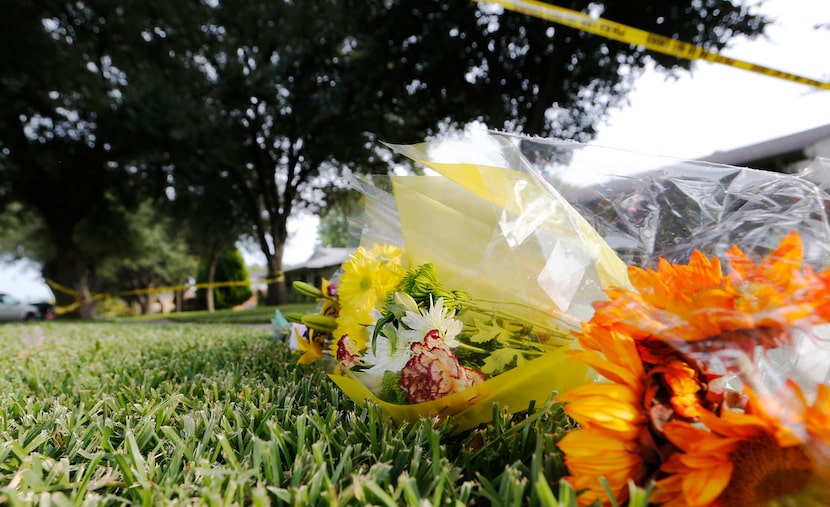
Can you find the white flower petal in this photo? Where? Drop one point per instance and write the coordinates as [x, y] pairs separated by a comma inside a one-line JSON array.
[[435, 317]]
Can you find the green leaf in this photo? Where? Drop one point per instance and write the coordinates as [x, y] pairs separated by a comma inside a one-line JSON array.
[[390, 388], [500, 359], [487, 331], [391, 334]]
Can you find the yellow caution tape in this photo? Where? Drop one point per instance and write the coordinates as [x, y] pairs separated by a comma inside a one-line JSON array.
[[60, 310], [80, 299], [62, 288], [171, 288], [652, 41]]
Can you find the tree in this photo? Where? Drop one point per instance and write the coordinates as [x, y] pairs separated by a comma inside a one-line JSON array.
[[336, 219], [157, 256], [306, 89], [230, 267], [69, 155], [283, 98], [208, 216]]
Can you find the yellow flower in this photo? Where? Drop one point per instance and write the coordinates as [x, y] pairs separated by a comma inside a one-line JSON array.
[[751, 458], [367, 279], [591, 454], [611, 418], [311, 347], [331, 306], [354, 324], [368, 276], [388, 255]]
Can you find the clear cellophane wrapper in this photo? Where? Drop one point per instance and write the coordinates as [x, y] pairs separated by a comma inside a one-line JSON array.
[[721, 340], [697, 290], [528, 264]]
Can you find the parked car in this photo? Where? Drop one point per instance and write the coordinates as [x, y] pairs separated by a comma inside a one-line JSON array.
[[46, 310], [12, 309]]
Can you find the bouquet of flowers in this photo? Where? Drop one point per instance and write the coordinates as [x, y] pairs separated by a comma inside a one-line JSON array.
[[715, 362], [465, 292], [698, 296]]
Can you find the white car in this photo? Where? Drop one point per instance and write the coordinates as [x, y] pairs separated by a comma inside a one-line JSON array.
[[12, 309]]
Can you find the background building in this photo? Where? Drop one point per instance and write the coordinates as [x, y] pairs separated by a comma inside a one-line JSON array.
[[788, 154]]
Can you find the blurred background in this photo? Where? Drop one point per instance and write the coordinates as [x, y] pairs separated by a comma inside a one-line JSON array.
[[149, 144]]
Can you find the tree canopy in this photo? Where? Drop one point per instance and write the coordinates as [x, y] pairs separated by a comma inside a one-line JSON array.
[[258, 109]]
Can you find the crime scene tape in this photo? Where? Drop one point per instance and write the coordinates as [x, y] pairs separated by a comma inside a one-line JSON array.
[[81, 298], [651, 41]]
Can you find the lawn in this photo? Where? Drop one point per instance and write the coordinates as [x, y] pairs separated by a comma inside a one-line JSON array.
[[257, 315], [147, 414]]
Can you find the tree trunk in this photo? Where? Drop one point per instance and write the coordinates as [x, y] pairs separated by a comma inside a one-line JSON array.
[[87, 308], [71, 287], [277, 292], [214, 257], [144, 304]]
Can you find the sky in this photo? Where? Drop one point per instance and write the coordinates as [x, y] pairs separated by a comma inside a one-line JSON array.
[[713, 108], [718, 108]]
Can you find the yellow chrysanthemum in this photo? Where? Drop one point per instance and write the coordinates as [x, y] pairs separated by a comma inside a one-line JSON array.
[[751, 458], [354, 324], [368, 276], [388, 255], [367, 279]]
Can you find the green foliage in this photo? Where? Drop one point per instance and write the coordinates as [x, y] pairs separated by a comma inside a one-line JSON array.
[[222, 415], [391, 389], [337, 219], [231, 109], [20, 229], [153, 253], [65, 143], [113, 307], [230, 267]]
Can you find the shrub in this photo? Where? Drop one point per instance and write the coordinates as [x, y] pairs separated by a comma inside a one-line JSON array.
[[230, 267]]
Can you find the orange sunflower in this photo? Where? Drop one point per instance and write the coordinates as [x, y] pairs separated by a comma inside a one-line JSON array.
[[696, 307], [775, 451], [822, 292], [656, 344], [609, 443]]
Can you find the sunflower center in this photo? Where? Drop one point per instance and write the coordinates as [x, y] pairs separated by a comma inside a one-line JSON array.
[[365, 283], [764, 471]]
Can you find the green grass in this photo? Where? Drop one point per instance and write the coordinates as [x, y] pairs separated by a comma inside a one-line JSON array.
[[142, 414], [257, 315]]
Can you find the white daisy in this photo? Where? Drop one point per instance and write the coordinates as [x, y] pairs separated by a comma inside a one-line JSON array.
[[436, 317], [384, 358]]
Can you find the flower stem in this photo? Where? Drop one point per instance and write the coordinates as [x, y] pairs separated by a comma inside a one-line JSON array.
[[465, 346], [568, 323]]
